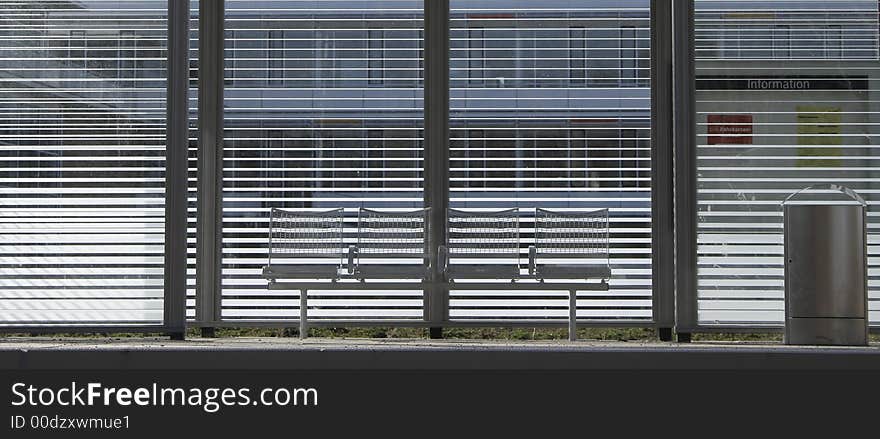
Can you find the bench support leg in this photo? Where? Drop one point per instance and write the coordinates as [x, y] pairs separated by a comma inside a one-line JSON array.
[[303, 314], [435, 332], [572, 315], [208, 332]]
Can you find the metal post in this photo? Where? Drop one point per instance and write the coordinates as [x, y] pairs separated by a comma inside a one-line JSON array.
[[210, 163], [684, 107], [663, 220], [177, 142], [436, 191], [572, 315], [303, 314]]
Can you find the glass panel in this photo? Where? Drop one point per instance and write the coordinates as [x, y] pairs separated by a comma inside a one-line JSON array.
[[791, 101], [550, 108], [82, 162], [340, 126]]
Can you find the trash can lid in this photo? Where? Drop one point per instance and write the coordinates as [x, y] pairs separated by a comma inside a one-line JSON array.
[[828, 187]]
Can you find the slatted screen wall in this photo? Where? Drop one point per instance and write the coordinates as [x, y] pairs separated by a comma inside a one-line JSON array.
[[82, 156], [786, 98], [551, 109], [323, 110]]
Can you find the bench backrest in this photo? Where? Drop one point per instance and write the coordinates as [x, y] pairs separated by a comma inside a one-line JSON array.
[[479, 244], [391, 239], [307, 235], [572, 237], [483, 243]]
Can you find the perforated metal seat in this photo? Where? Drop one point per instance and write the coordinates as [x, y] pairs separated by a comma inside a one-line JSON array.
[[573, 271], [315, 238], [301, 271], [482, 245], [392, 245], [570, 245]]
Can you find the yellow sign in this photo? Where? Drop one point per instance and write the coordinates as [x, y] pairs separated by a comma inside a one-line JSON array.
[[818, 132]]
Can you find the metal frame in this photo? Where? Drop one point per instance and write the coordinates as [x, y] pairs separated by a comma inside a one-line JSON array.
[[674, 208], [176, 168], [673, 148], [436, 156], [436, 194], [209, 226], [684, 106], [662, 192], [436, 147]]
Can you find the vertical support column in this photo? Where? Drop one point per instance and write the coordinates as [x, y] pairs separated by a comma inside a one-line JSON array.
[[436, 158], [303, 314], [684, 105], [177, 142], [210, 164], [572, 315], [662, 201]]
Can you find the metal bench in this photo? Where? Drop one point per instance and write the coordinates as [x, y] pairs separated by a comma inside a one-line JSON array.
[[481, 245], [305, 245], [307, 252], [570, 245]]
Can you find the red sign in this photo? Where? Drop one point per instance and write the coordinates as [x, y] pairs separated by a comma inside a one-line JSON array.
[[730, 129]]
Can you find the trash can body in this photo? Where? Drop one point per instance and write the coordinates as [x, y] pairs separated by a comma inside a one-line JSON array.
[[826, 301]]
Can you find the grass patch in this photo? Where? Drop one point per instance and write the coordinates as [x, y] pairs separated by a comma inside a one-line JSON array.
[[615, 334], [500, 334], [739, 337]]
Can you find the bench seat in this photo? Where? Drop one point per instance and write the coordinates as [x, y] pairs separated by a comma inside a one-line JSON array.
[[301, 271], [573, 271]]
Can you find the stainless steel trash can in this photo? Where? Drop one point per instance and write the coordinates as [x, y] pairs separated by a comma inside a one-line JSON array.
[[826, 300]]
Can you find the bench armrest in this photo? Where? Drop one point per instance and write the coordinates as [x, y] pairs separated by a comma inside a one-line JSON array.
[[352, 258], [443, 259], [533, 256]]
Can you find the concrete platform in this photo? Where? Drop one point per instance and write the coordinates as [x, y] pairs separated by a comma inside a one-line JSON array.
[[401, 354]]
